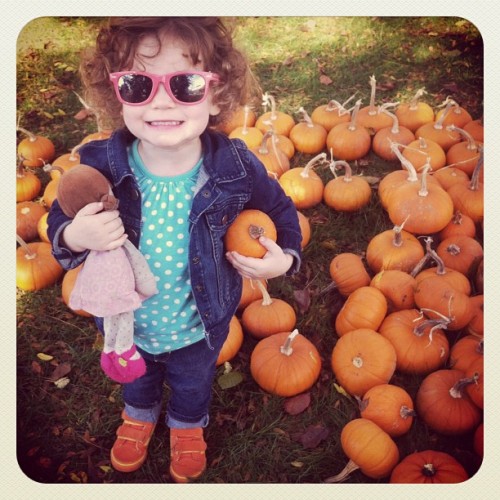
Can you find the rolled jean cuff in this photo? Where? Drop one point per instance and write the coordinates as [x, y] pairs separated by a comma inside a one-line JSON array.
[[143, 414], [173, 423]]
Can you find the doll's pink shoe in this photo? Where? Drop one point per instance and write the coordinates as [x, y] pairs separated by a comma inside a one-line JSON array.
[[121, 368]]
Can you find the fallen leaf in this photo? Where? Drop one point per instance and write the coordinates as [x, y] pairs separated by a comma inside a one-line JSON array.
[[60, 371], [36, 367], [297, 464], [44, 357], [62, 382], [325, 80], [312, 436], [228, 380], [341, 390], [297, 404], [303, 299], [82, 114]]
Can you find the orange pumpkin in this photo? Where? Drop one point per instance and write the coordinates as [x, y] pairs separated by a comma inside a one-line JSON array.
[[453, 114], [365, 307], [349, 141], [331, 114], [28, 214], [308, 137], [371, 117], [369, 449], [394, 249], [362, 359], [346, 193], [232, 343], [476, 129], [437, 132], [35, 150], [278, 121], [466, 351], [303, 185], [475, 390], [465, 154], [28, 184], [461, 253], [415, 113], [250, 291], [285, 364], [243, 234], [448, 176], [267, 316], [443, 404], [390, 407], [36, 268], [305, 229], [42, 227], [348, 273], [67, 286], [100, 135], [421, 345], [242, 116], [251, 136], [421, 150], [397, 287], [460, 224], [274, 160], [476, 324], [429, 467], [65, 162], [381, 143]]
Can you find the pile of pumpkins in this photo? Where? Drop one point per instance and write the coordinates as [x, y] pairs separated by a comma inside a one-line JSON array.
[[416, 281]]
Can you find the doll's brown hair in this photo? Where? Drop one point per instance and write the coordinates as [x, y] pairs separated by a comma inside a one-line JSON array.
[[208, 39]]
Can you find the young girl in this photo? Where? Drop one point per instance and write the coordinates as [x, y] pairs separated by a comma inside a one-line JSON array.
[[180, 186]]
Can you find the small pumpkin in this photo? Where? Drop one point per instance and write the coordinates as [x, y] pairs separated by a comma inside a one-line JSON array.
[[460, 224], [381, 143], [361, 359], [464, 154], [42, 227], [421, 150], [397, 287], [421, 345], [276, 120], [305, 229], [331, 114], [243, 234], [35, 150], [475, 326], [65, 162], [475, 391], [461, 253], [466, 351], [453, 113], [369, 449], [443, 404], [346, 193], [285, 364], [303, 185], [365, 307], [242, 116], [28, 184], [250, 291], [371, 116], [476, 129], [274, 159], [233, 342], [390, 407], [307, 136], [68, 283], [36, 267], [349, 141], [267, 316], [438, 132], [348, 273], [28, 214], [416, 113], [429, 467]]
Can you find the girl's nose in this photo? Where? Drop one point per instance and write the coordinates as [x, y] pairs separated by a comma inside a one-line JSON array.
[[162, 98]]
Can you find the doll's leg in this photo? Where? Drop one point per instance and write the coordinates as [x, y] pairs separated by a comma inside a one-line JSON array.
[[120, 359]]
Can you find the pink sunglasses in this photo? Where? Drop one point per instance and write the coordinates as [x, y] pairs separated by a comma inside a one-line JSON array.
[[136, 88]]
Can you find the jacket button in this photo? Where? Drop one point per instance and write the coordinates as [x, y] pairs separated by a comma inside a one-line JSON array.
[[196, 260], [199, 288], [205, 193]]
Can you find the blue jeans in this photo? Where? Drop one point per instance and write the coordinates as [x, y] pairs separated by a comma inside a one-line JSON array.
[[189, 372]]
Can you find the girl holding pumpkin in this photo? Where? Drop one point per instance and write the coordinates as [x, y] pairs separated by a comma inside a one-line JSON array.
[[181, 185]]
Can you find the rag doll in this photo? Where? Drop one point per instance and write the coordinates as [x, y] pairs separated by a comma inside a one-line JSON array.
[[111, 284]]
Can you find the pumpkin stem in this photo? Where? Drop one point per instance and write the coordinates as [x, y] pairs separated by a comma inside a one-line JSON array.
[[373, 85], [428, 470], [406, 412], [435, 324], [255, 231], [344, 474], [266, 298], [21, 170], [474, 182], [342, 163], [430, 254], [449, 103], [405, 163], [246, 112], [28, 253], [317, 159], [305, 117], [352, 124], [398, 238], [457, 390], [395, 121], [286, 348], [471, 143], [423, 191], [269, 99], [414, 102], [31, 136]]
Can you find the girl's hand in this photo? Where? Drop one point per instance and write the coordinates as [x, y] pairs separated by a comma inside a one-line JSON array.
[[93, 229], [274, 263]]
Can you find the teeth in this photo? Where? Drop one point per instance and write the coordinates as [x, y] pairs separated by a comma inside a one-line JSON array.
[[165, 123]]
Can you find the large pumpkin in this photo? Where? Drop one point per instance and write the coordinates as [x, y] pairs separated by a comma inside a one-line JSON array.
[[243, 234], [285, 364], [429, 467], [362, 359]]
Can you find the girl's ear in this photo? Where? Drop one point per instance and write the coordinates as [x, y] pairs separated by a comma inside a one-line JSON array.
[[213, 110]]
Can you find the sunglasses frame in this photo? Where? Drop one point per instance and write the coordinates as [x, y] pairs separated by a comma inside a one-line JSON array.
[[165, 79]]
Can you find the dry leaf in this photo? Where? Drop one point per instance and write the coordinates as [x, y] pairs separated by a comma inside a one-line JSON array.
[[60, 371], [312, 436], [44, 357], [297, 404], [325, 80], [303, 299], [62, 382]]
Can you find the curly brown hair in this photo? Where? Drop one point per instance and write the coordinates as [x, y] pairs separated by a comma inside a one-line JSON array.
[[209, 40]]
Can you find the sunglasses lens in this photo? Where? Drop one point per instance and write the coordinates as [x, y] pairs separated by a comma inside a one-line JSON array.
[[188, 87], [135, 89]]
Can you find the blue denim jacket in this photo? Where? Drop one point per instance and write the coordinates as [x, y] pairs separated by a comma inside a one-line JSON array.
[[231, 179]]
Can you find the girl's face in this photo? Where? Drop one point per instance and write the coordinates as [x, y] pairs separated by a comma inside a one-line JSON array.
[[163, 124]]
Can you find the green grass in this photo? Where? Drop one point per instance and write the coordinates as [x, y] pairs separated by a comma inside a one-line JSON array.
[[65, 434]]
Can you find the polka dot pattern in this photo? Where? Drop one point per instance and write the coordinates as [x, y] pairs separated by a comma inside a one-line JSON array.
[[170, 319]]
